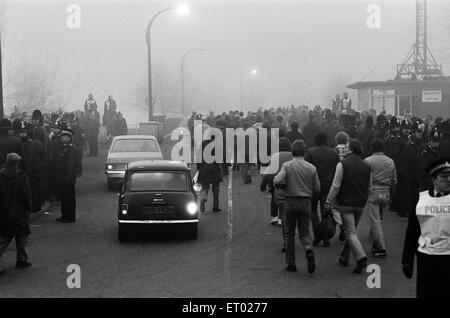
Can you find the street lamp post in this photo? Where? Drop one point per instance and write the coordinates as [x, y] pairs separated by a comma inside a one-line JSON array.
[[182, 76], [241, 94], [182, 10]]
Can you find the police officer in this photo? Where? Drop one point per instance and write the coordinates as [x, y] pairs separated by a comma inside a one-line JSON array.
[[32, 161], [56, 148], [413, 168], [444, 146], [66, 168], [429, 155], [428, 235], [78, 141]]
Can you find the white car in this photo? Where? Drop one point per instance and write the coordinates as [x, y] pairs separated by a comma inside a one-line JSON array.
[[126, 149]]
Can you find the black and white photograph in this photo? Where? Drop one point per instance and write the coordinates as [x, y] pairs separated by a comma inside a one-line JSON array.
[[224, 154]]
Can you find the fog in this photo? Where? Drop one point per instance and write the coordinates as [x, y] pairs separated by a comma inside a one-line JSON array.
[[305, 51]]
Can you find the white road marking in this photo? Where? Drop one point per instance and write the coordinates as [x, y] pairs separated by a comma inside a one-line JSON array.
[[228, 250]]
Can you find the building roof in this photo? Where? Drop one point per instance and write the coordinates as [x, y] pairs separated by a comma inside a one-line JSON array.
[[401, 82], [158, 165]]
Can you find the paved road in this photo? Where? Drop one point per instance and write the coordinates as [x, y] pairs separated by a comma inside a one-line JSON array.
[[237, 253]]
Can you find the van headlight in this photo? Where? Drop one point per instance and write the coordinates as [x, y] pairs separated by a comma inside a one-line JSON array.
[[191, 207], [124, 209], [109, 167], [197, 187]]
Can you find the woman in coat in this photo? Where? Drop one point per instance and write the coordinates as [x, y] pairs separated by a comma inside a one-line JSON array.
[[15, 207]]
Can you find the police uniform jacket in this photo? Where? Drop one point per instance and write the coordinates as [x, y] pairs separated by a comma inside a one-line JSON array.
[[66, 164]]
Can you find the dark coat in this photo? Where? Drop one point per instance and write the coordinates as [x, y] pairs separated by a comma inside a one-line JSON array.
[[293, 135], [325, 159], [33, 158], [412, 161], [444, 146], [310, 131], [14, 221], [209, 172], [365, 137], [9, 144], [67, 164]]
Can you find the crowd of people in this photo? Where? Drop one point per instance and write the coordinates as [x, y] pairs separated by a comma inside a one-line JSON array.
[[346, 163], [40, 159]]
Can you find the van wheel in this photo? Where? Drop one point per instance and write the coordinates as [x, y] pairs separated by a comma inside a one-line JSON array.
[[124, 233]]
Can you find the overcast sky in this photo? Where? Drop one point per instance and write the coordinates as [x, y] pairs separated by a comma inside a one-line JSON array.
[[300, 48]]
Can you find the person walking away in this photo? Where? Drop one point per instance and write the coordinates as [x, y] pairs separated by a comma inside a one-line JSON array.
[[365, 137], [294, 134], [66, 167], [120, 125], [209, 175], [428, 236], [384, 180], [342, 139], [301, 182], [311, 130], [325, 159], [15, 203], [349, 192], [278, 196]]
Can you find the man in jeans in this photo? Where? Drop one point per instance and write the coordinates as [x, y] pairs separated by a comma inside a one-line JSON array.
[[384, 180], [300, 180], [349, 192]]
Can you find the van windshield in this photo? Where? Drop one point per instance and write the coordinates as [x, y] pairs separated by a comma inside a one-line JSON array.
[[158, 181], [134, 145]]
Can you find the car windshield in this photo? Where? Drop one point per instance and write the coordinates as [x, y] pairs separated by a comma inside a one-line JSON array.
[[135, 145], [157, 181]]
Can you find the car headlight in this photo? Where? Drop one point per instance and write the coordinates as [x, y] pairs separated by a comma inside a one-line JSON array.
[[109, 167], [124, 209], [197, 187], [191, 208]]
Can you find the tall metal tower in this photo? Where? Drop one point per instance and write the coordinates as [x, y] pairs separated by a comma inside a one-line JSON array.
[[420, 63]]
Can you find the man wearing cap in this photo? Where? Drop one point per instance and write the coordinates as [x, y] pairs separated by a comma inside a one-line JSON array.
[[66, 169], [429, 155], [15, 207], [428, 235], [32, 161], [8, 143]]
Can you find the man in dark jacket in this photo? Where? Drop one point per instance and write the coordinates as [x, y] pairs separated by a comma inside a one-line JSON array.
[[294, 134], [310, 131], [209, 174], [8, 143], [66, 168], [32, 162], [92, 131], [15, 207], [120, 125], [349, 192], [325, 159], [365, 137], [41, 134]]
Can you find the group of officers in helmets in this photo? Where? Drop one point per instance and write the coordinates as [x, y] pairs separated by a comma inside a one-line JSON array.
[[50, 159]]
